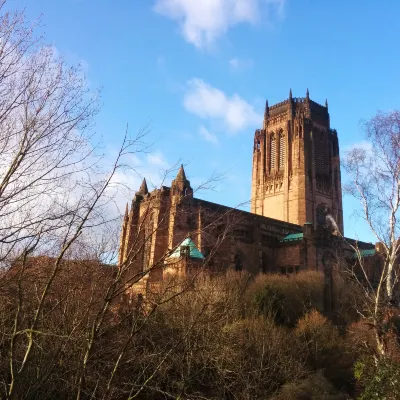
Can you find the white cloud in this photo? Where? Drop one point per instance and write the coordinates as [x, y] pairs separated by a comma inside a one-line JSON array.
[[158, 160], [208, 136], [126, 181], [206, 101], [203, 21], [363, 144], [240, 64], [74, 59]]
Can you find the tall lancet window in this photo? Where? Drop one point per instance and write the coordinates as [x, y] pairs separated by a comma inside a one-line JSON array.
[[281, 151], [273, 152], [322, 151], [315, 151]]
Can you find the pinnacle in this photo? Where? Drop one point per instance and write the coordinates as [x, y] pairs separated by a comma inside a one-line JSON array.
[[143, 187], [265, 112], [181, 176]]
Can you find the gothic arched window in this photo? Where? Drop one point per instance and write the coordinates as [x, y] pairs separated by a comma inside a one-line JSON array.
[[273, 152], [322, 151], [281, 151], [314, 137], [336, 178]]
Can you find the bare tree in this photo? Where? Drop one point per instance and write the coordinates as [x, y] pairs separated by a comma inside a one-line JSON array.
[[46, 156], [375, 182], [53, 188], [58, 303], [374, 170]]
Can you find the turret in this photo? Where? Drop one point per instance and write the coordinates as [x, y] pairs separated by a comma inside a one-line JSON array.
[[126, 212], [143, 190], [131, 220], [266, 113], [141, 193], [180, 185], [181, 176], [122, 243], [307, 101]]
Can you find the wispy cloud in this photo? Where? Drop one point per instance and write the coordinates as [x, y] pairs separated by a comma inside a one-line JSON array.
[[152, 166], [238, 64], [208, 136], [208, 102], [74, 59], [363, 144], [158, 160], [202, 22]]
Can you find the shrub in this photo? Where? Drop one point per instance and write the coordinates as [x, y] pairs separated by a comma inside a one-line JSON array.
[[347, 298], [314, 387], [286, 298], [325, 349], [257, 358]]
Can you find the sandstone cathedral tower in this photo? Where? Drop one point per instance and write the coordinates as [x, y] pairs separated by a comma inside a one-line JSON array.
[[295, 196], [296, 169]]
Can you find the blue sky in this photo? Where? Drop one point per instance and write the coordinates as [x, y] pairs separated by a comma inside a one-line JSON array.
[[200, 71]]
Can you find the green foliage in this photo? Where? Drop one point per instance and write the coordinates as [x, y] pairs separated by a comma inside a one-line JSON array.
[[378, 379]]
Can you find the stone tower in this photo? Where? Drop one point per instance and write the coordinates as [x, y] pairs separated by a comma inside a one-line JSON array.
[[296, 169]]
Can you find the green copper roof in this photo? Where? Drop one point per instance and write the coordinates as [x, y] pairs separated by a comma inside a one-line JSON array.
[[292, 236], [194, 252], [366, 253]]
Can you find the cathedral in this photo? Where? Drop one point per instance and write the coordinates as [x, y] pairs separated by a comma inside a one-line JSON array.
[[296, 218]]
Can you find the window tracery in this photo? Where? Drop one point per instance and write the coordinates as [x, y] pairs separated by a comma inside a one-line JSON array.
[[315, 151], [281, 151], [322, 155], [273, 152]]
